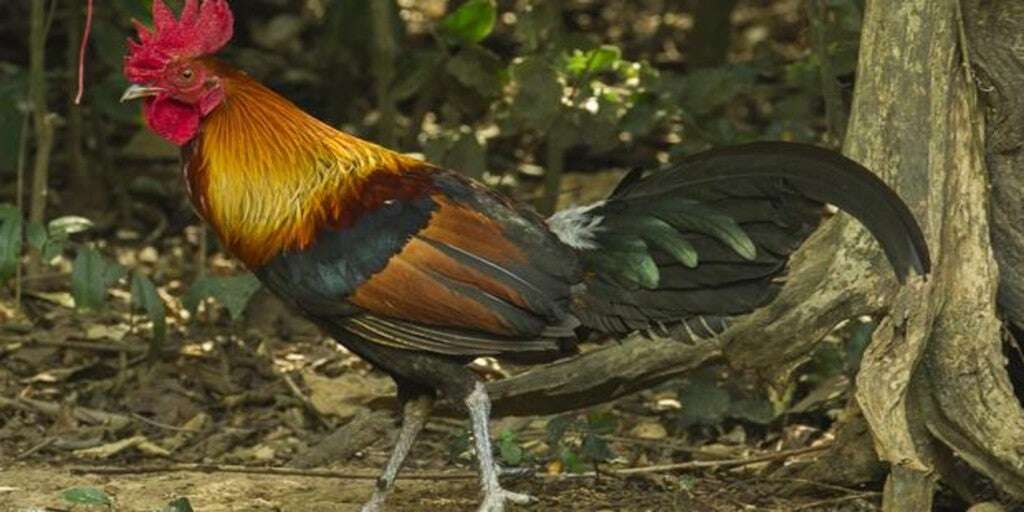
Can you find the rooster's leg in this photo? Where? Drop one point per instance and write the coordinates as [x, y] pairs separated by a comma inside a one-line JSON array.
[[479, 405], [415, 412]]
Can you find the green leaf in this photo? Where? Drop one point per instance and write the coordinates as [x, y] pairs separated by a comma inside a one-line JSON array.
[[708, 89], [415, 72], [36, 235], [13, 88], [458, 445], [643, 117], [596, 449], [178, 505], [144, 295], [538, 96], [571, 462], [477, 69], [86, 496], [54, 247], [540, 23], [467, 156], [601, 423], [471, 23], [598, 60], [10, 241], [91, 277], [858, 343], [557, 427], [233, 293], [754, 410], [704, 403], [509, 449]]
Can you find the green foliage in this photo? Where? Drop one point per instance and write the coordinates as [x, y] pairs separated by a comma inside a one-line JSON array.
[[13, 86], [87, 496], [509, 449], [704, 403], [144, 295], [471, 23], [709, 401], [10, 241], [477, 69], [54, 239], [581, 441], [599, 60], [233, 293], [458, 151], [458, 445], [92, 274], [538, 95]]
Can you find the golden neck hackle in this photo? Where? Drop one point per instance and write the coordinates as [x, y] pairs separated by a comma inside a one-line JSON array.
[[267, 175]]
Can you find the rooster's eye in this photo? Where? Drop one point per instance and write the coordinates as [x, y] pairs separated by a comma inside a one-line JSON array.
[[187, 73]]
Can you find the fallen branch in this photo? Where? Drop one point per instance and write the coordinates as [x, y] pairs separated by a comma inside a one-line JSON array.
[[225, 468], [596, 377], [840, 499], [724, 463], [451, 475], [91, 416]]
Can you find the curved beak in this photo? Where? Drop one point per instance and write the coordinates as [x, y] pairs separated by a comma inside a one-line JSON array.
[[139, 91]]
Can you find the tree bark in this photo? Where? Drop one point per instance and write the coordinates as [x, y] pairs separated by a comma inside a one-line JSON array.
[[935, 372], [995, 43]]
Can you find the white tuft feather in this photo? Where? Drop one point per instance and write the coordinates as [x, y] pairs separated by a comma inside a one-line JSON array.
[[576, 227]]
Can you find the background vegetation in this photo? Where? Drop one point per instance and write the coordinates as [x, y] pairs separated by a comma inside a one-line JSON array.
[[108, 281]]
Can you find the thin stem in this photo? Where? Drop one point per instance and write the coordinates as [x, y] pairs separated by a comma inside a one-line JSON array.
[[43, 121], [835, 111], [554, 160], [75, 57], [383, 62], [20, 200]]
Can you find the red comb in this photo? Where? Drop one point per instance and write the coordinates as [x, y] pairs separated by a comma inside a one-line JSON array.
[[201, 30]]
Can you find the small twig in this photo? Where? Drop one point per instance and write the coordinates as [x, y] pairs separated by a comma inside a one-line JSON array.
[[161, 425], [840, 499], [659, 443], [725, 463], [20, 201], [462, 475], [305, 400], [85, 414], [812, 483], [88, 346], [220, 468], [835, 111], [46, 442]]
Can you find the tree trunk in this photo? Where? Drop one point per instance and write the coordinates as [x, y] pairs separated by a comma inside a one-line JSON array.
[[935, 373]]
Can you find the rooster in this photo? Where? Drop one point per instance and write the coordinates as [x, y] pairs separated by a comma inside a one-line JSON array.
[[419, 270]]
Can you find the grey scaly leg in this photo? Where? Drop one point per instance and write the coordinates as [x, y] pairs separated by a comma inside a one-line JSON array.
[[479, 405], [414, 415]]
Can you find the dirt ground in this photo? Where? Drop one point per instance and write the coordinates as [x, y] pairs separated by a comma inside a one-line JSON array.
[[39, 487], [32, 487], [239, 401]]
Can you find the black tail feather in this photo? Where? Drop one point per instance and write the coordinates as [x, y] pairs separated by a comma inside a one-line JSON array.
[[741, 211]]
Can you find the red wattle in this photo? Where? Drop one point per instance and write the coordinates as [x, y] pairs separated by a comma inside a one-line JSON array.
[[171, 119]]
